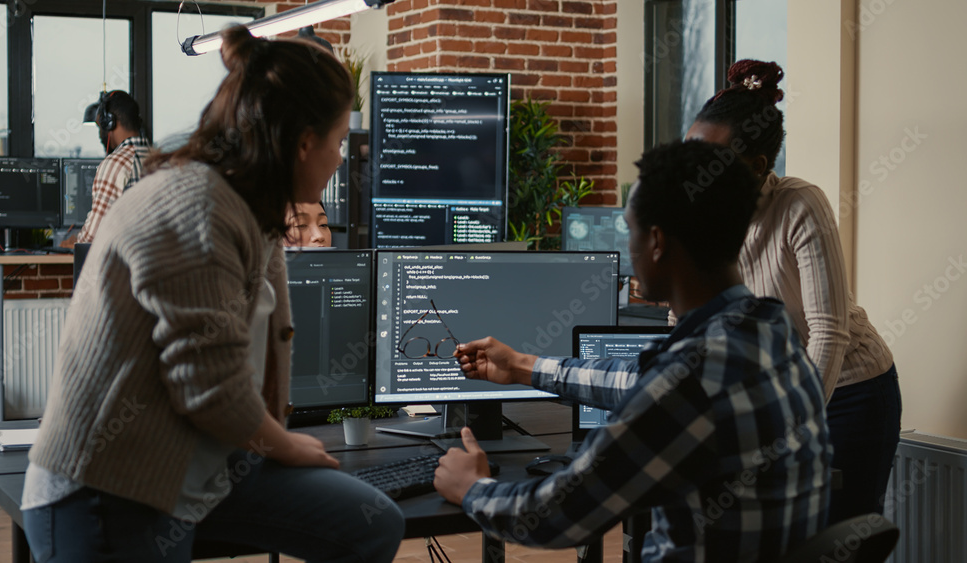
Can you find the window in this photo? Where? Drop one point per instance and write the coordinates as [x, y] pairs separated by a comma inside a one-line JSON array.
[[182, 85], [688, 46], [53, 51], [85, 66], [760, 33]]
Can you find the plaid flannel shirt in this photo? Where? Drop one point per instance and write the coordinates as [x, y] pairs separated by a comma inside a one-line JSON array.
[[720, 430], [118, 171]]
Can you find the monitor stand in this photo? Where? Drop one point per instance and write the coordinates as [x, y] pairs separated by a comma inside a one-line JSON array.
[[484, 419]]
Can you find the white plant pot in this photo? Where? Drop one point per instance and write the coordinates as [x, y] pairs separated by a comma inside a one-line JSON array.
[[355, 120], [356, 431]]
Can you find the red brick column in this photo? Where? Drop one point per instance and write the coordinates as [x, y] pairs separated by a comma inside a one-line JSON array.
[[558, 50]]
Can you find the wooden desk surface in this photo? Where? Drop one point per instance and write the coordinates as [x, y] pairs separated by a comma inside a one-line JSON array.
[[36, 258]]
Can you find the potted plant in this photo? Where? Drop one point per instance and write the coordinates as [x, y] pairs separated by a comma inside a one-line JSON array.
[[355, 62], [355, 421], [536, 193]]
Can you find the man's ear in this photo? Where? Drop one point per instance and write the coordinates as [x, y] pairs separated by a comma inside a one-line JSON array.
[[760, 165], [657, 243]]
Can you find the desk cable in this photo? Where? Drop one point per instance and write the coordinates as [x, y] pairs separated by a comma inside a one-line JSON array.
[[514, 426], [432, 545]]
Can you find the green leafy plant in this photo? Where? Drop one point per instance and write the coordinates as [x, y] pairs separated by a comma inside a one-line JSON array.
[[537, 194], [625, 192], [355, 62], [372, 411]]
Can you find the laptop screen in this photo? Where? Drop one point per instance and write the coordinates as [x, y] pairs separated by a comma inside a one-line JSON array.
[[591, 342]]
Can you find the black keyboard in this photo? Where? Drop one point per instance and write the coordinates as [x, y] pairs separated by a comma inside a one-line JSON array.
[[406, 478]]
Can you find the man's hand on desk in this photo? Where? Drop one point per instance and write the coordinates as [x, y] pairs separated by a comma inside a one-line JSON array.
[[459, 469], [492, 360]]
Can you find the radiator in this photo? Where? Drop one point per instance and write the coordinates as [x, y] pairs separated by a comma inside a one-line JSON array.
[[927, 499], [31, 335]]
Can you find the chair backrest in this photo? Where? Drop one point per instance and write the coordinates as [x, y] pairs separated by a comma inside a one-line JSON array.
[[869, 538]]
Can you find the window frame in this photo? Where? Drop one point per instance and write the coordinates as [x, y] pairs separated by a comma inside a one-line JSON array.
[[723, 58], [137, 12]]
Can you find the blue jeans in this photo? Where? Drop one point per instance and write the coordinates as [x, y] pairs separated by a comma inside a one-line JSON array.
[[864, 428], [309, 513]]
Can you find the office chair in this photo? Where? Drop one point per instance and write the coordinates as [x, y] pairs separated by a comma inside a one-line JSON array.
[[869, 538]]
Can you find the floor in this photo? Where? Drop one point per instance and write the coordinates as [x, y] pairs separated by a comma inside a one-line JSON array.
[[460, 548]]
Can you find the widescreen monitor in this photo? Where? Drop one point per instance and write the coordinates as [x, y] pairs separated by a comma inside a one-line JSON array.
[[530, 300], [29, 192], [438, 146], [331, 300], [597, 228], [77, 184]]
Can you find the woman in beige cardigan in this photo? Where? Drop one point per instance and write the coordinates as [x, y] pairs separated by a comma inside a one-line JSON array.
[[165, 419]]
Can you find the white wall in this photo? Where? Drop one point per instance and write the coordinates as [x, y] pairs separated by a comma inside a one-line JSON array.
[[911, 230], [631, 89], [369, 30]]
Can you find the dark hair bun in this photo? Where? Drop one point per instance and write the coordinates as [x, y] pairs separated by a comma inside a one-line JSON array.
[[757, 76], [238, 46]]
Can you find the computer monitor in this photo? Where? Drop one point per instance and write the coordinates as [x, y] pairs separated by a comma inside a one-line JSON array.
[[331, 301], [77, 184], [438, 145], [529, 300], [597, 228], [29, 192], [592, 342]]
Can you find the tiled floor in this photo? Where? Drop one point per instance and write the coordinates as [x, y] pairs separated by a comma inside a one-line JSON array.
[[460, 548]]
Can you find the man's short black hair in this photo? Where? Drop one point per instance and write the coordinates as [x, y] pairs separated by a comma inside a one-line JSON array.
[[124, 108], [702, 194]]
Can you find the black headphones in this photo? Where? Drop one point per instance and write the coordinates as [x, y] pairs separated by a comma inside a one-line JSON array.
[[106, 119]]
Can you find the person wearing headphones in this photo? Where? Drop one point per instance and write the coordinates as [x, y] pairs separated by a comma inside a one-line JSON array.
[[119, 124]]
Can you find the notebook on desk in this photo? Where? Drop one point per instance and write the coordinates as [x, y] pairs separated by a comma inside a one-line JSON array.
[[592, 342]]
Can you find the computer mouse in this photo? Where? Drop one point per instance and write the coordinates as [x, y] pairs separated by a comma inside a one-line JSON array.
[[547, 464]]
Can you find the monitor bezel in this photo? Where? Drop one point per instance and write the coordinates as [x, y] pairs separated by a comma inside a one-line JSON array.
[[11, 222]]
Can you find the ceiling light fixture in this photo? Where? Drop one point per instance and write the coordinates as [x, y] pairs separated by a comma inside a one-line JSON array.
[[323, 10]]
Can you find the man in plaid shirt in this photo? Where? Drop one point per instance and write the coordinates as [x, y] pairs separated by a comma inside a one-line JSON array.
[[720, 429], [119, 124]]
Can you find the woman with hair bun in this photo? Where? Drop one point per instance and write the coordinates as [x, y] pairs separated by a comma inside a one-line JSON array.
[[792, 252], [165, 419]]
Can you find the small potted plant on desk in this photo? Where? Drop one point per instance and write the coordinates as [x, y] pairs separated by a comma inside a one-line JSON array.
[[355, 421]]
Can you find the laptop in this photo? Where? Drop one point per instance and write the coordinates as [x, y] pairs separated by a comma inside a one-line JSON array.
[[591, 342]]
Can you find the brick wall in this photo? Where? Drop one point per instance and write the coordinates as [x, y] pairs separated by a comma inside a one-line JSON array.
[[30, 281], [557, 50]]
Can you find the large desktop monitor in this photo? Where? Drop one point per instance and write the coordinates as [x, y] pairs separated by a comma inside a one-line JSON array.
[[596, 228], [438, 146], [426, 299], [331, 300], [77, 184], [29, 192]]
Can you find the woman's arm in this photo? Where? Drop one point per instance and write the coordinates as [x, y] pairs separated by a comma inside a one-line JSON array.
[[814, 238]]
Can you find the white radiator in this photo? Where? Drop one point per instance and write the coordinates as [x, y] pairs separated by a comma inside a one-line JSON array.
[[927, 499], [31, 336]]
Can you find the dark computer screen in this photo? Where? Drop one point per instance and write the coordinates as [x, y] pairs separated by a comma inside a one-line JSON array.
[[29, 192], [609, 342], [331, 300], [439, 158], [529, 300], [596, 228], [77, 183]]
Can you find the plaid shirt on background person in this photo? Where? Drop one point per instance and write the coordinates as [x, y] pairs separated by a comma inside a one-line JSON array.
[[720, 430], [117, 172]]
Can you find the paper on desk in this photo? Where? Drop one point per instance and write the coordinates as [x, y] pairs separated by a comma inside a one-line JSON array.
[[17, 438]]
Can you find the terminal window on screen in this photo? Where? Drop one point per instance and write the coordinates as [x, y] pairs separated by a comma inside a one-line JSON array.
[[440, 158], [529, 300], [330, 296]]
